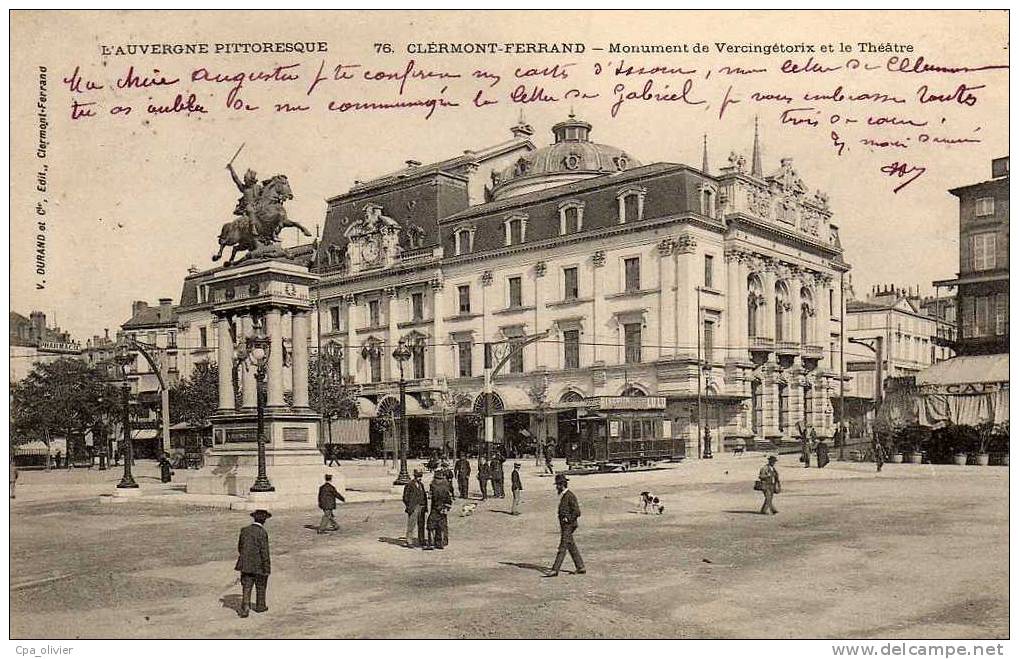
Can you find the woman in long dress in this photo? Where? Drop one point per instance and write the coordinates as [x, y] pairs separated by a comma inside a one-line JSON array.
[[822, 453]]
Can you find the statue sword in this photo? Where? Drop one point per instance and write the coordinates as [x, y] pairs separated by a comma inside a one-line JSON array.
[[239, 149]]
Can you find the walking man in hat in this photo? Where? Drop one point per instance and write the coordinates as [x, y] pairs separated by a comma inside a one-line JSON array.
[[253, 563], [327, 496], [770, 485], [415, 502], [569, 511], [517, 487], [442, 500]]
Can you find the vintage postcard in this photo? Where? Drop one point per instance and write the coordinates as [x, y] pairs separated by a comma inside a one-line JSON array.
[[530, 324]]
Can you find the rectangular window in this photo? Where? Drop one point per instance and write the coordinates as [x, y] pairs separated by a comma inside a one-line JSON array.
[[463, 294], [172, 340], [515, 292], [1001, 314], [571, 220], [630, 208], [631, 332], [203, 337], [982, 246], [418, 353], [465, 358], [463, 242], [571, 289], [516, 360], [783, 407], [417, 306], [631, 270], [708, 341], [374, 313], [985, 206], [334, 318], [571, 349], [375, 362], [515, 232], [831, 302], [709, 271]]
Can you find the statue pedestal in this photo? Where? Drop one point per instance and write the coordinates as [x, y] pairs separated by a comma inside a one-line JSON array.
[[294, 463]]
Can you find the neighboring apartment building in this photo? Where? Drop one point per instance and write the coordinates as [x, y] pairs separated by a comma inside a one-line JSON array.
[[32, 342], [982, 283], [912, 339], [155, 328]]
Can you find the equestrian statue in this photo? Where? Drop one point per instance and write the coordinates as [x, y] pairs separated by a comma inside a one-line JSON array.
[[260, 216]]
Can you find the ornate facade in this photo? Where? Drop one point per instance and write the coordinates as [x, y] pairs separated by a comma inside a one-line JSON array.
[[622, 279]]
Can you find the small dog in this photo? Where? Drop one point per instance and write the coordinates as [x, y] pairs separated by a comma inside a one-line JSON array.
[[467, 509], [650, 504]]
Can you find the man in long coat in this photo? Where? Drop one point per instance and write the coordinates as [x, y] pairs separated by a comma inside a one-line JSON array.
[[484, 473], [498, 477], [462, 469], [569, 512], [442, 500], [253, 563], [415, 502]]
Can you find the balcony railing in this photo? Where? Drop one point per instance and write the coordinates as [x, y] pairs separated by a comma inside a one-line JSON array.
[[788, 347], [761, 343], [813, 351]]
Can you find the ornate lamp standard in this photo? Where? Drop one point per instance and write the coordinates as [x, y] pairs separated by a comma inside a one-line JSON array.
[[334, 358], [401, 354], [123, 357], [258, 348]]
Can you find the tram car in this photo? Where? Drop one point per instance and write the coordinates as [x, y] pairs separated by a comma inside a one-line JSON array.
[[619, 433]]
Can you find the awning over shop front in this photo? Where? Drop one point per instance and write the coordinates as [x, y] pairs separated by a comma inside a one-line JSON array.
[[348, 431], [365, 408], [968, 390], [515, 400]]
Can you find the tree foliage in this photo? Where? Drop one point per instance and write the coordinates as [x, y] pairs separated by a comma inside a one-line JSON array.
[[66, 397], [195, 398], [329, 396]]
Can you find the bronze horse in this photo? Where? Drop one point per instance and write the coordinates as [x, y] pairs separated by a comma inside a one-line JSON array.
[[270, 219]]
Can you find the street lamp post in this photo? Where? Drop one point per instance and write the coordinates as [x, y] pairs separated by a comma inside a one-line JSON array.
[[125, 357], [401, 354], [258, 348]]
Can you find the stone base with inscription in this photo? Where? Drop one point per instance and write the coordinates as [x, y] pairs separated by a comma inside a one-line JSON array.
[[293, 460]]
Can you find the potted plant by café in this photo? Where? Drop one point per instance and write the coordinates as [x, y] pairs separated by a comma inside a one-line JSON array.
[[914, 437], [998, 444]]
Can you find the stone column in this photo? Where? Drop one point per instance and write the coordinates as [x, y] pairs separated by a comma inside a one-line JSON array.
[[685, 309], [351, 353], [274, 377], [742, 316], [391, 368], [796, 312], [225, 349], [733, 302], [440, 353], [666, 310], [768, 281], [249, 400], [597, 301], [299, 358]]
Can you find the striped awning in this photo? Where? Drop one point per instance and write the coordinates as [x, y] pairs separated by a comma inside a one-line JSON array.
[[365, 408]]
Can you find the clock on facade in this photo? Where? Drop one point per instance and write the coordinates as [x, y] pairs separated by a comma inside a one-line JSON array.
[[370, 251]]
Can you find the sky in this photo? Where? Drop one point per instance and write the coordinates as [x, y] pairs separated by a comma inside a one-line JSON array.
[[133, 198]]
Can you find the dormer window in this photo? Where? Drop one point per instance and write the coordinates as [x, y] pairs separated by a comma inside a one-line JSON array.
[[631, 204], [571, 217], [708, 201], [514, 230], [464, 240]]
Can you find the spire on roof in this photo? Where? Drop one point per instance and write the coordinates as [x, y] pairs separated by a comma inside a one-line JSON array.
[[704, 162], [522, 129], [755, 167]]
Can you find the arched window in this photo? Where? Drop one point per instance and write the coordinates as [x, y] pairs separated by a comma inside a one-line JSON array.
[[515, 229], [806, 315], [782, 308], [631, 204], [464, 241], [634, 391], [755, 300], [708, 208], [571, 396]]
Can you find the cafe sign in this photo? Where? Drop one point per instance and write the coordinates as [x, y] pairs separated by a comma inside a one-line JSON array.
[[964, 388], [628, 402]]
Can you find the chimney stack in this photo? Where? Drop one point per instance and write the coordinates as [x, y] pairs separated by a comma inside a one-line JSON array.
[[165, 309]]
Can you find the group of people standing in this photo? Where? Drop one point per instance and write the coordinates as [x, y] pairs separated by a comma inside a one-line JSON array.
[[811, 443]]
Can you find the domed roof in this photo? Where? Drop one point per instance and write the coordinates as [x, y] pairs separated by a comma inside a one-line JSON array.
[[573, 156]]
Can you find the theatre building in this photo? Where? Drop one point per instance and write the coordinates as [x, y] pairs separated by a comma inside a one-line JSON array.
[[594, 279]]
